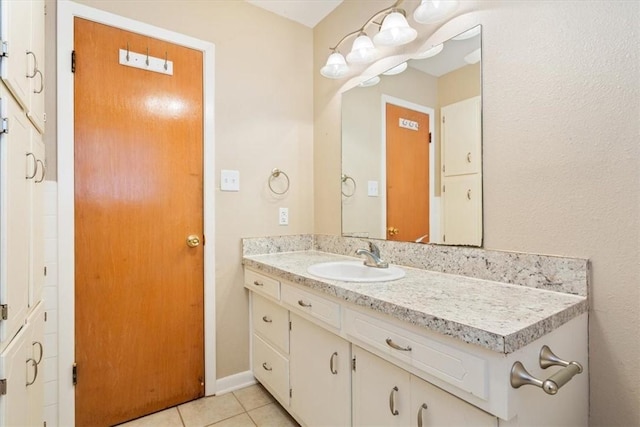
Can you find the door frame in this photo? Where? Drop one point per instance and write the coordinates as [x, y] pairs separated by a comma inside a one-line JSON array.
[[67, 11], [434, 202]]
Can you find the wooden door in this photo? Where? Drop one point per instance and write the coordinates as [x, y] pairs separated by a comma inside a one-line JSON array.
[[138, 195], [407, 147]]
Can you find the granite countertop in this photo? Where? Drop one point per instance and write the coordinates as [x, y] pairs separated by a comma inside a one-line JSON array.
[[498, 316]]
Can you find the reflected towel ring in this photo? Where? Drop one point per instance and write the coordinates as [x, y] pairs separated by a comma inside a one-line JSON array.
[[275, 174], [344, 179]]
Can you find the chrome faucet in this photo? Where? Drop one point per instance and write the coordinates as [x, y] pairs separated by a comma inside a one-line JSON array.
[[373, 257]]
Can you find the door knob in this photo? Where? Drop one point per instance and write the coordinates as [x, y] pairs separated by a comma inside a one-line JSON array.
[[392, 231], [193, 241]]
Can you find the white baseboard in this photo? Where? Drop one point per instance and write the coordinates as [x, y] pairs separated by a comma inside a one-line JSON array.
[[234, 382]]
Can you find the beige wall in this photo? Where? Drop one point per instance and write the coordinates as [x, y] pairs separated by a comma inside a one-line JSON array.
[[263, 120], [561, 153]]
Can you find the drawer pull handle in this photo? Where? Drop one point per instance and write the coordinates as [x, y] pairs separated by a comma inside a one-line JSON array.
[[392, 401], [255, 282], [334, 371], [420, 413], [265, 319], [519, 375], [393, 345], [266, 367], [304, 304]]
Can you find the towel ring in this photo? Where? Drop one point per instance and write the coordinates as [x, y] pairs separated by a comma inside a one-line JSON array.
[[275, 174], [346, 178]]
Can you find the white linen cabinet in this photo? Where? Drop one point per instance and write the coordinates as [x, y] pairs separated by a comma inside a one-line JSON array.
[[22, 174]]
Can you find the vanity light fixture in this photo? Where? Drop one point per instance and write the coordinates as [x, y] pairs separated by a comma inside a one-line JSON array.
[[431, 11], [394, 31]]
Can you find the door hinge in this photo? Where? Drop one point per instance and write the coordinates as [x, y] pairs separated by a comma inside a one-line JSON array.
[[4, 312], [4, 126], [443, 168], [4, 49], [429, 137], [45, 270], [444, 237], [444, 188], [290, 392], [353, 363], [74, 374], [442, 119], [3, 387], [73, 61], [45, 316], [289, 324]]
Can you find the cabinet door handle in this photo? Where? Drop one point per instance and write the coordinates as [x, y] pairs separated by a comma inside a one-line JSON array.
[[41, 352], [44, 171], [35, 166], [334, 371], [420, 413], [35, 65], [266, 319], [266, 367], [393, 345], [255, 282], [392, 401], [304, 304], [35, 370], [41, 81]]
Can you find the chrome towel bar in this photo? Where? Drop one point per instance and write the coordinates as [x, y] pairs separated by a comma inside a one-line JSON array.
[[520, 376]]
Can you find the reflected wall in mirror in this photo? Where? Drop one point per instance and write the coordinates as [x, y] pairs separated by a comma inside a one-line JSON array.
[[411, 149]]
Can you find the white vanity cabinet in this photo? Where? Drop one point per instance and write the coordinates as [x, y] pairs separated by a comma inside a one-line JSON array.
[[320, 374], [386, 395], [346, 364], [22, 55]]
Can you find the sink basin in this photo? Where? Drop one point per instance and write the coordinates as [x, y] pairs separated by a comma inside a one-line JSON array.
[[354, 271]]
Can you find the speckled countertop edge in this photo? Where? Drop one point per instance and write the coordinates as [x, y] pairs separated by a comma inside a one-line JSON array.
[[495, 318]]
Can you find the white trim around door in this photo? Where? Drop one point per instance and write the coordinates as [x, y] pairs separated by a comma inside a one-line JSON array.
[[67, 11]]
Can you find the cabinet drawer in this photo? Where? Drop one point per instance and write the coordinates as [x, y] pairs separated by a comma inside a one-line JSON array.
[[271, 369], [271, 322], [452, 365], [313, 305], [262, 284]]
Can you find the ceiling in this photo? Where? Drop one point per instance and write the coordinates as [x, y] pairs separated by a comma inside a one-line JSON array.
[[306, 12]]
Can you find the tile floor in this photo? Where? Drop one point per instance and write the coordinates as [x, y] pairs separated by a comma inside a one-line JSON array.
[[248, 407]]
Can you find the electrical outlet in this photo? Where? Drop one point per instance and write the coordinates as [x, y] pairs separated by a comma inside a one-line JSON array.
[[283, 216]]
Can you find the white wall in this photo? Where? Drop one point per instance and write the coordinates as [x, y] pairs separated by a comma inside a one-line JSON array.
[[561, 110]]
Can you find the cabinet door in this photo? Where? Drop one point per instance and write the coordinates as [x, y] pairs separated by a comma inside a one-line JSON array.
[[320, 375], [15, 166], [15, 32], [36, 88], [13, 404], [36, 220], [431, 406], [461, 137], [381, 392], [461, 200], [35, 366]]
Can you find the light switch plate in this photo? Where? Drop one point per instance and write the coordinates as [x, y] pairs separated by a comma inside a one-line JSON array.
[[229, 180], [372, 188]]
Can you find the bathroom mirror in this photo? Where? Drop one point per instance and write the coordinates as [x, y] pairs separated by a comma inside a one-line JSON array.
[[411, 149]]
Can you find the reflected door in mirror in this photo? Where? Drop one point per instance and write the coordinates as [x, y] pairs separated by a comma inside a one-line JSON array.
[[407, 166]]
